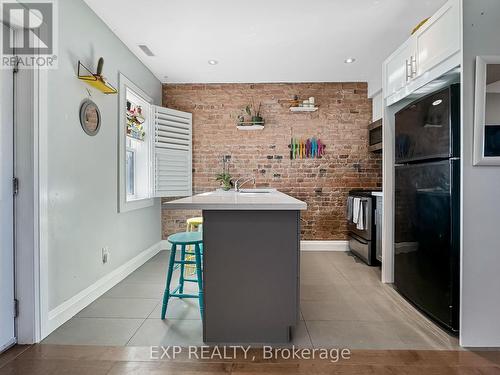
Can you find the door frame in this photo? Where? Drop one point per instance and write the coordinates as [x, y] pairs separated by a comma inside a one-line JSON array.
[[8, 99], [31, 266], [43, 203]]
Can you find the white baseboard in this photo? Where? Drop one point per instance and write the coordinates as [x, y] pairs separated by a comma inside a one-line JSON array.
[[324, 245], [75, 304], [8, 345]]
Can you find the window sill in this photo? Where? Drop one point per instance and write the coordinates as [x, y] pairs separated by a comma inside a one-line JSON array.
[[136, 204], [131, 199]]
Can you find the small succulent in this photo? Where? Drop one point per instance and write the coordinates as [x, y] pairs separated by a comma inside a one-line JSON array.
[[225, 177], [225, 180]]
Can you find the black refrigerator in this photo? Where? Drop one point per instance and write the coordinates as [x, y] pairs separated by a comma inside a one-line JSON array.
[[427, 205]]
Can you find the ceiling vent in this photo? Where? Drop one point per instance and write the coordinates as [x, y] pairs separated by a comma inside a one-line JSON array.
[[146, 50]]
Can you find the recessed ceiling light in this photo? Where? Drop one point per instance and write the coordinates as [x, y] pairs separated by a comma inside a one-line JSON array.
[[213, 62], [349, 60], [437, 102]]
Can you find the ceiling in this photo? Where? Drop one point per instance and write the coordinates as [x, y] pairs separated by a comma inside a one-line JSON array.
[[264, 40]]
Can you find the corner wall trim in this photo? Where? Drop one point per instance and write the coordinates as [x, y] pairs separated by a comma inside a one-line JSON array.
[[78, 302], [324, 245]]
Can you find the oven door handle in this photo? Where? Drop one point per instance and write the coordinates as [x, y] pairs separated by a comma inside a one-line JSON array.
[[359, 239]]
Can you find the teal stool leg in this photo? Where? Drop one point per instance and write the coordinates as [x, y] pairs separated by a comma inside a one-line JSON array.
[[199, 277], [181, 276], [166, 294]]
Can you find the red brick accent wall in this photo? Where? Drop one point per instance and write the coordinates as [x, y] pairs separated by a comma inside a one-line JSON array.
[[341, 123]]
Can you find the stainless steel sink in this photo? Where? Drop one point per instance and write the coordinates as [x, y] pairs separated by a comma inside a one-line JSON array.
[[256, 191]]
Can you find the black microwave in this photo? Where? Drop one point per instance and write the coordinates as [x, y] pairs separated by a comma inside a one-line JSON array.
[[375, 136]]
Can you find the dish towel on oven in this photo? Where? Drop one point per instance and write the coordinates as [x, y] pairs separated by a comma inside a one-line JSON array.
[[349, 209], [361, 223], [356, 202]]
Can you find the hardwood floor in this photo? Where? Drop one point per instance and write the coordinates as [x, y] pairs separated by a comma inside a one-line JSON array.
[[82, 360]]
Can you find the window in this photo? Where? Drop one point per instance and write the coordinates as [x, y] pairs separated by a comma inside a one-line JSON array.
[[135, 161], [155, 150], [138, 133]]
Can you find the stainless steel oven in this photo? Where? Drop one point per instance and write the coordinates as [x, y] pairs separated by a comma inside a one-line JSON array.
[[361, 225]]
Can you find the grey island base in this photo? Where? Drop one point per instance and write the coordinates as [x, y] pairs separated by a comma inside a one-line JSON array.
[[251, 245]]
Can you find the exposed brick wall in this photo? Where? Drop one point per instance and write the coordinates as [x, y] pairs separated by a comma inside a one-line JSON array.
[[341, 123]]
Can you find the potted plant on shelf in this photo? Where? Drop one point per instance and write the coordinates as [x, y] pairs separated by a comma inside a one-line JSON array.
[[255, 116]]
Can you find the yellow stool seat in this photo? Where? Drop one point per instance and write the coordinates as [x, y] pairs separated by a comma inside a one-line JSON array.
[[192, 225], [195, 220]]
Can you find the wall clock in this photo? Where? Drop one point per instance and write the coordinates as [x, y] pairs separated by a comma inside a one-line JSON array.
[[90, 117]]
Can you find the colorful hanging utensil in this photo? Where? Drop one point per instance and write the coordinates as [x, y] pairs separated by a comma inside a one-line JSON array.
[[310, 148]]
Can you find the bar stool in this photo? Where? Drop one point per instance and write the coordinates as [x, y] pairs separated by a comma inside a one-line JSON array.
[[183, 240]]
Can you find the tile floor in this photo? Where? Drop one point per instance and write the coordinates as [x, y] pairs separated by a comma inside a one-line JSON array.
[[343, 304]]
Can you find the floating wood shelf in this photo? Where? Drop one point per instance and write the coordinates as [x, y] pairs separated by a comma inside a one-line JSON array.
[[303, 109], [95, 80], [250, 127]]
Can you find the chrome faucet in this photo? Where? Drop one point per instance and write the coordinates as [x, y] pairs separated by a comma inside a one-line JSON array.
[[238, 185]]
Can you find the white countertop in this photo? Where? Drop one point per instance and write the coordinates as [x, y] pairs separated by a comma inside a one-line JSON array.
[[249, 199]]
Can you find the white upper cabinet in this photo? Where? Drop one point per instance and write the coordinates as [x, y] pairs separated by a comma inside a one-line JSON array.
[[432, 51], [439, 38], [398, 68]]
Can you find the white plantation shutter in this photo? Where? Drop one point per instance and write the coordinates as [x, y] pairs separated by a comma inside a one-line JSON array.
[[172, 153]]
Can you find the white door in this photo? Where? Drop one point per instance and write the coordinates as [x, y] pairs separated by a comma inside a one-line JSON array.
[[7, 335]]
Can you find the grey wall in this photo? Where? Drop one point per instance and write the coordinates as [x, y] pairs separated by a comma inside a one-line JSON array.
[[480, 325], [82, 170]]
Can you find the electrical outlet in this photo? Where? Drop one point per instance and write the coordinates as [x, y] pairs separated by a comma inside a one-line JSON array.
[[105, 255]]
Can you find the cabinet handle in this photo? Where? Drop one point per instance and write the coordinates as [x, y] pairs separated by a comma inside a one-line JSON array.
[[413, 66], [408, 70]]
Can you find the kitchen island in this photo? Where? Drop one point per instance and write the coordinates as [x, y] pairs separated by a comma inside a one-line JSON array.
[[251, 259]]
